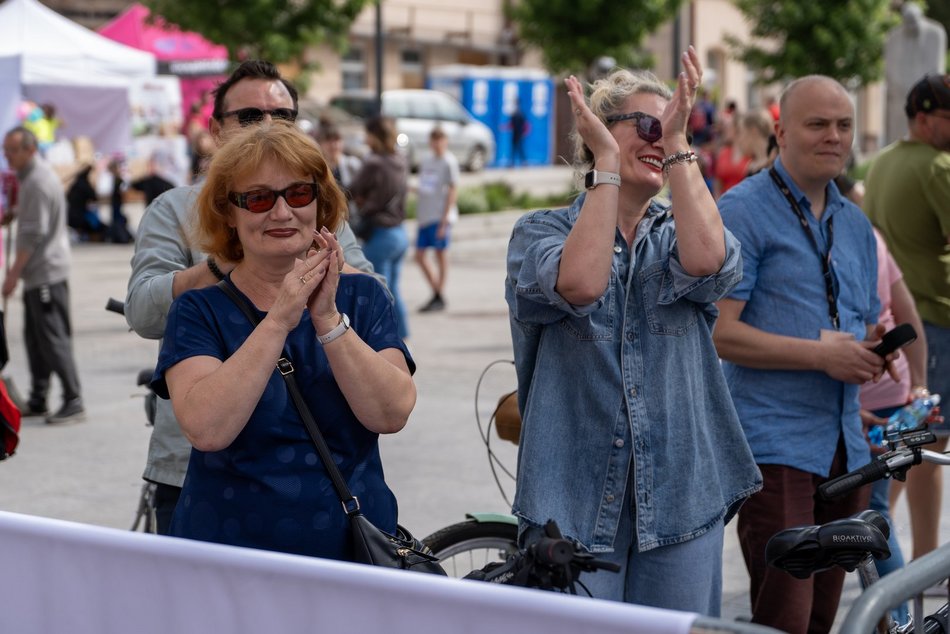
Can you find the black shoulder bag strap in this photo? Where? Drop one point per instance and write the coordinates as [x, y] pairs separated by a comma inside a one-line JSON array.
[[351, 504], [830, 294]]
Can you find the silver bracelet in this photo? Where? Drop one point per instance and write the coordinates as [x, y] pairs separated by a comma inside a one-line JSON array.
[[678, 157]]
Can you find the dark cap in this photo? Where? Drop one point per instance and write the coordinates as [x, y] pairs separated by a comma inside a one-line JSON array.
[[929, 94]]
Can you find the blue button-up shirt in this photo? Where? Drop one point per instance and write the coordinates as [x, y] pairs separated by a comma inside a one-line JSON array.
[[795, 417], [627, 389]]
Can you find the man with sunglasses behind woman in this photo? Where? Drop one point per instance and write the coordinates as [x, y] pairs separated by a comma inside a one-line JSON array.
[[167, 262], [254, 479], [630, 440]]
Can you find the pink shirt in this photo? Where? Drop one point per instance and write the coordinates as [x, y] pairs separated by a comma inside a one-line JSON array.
[[887, 393]]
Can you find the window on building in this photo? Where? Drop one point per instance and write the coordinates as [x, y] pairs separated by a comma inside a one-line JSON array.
[[353, 68], [411, 68]]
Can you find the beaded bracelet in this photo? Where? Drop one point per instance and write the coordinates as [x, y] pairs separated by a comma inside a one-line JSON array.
[[678, 157], [213, 267]]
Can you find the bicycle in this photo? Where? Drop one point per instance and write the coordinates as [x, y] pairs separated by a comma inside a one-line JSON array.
[[145, 514], [853, 543], [482, 538]]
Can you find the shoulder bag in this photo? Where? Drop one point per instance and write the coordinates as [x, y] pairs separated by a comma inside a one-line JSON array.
[[370, 544]]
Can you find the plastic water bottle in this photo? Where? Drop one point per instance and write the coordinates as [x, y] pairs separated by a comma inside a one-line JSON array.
[[907, 417]]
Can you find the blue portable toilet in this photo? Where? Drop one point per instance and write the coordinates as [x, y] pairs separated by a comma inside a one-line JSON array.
[[493, 93]]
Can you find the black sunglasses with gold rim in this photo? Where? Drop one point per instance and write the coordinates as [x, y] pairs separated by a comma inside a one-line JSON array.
[[247, 116]]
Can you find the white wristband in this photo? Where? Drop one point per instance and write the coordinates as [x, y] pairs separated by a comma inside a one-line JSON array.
[[337, 331]]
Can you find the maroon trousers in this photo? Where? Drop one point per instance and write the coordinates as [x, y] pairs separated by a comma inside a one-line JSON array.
[[790, 498]]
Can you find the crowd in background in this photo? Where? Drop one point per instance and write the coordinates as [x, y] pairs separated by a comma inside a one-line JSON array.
[[565, 269], [732, 144]]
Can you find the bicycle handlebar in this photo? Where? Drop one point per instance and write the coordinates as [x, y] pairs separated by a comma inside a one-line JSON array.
[[882, 466], [552, 552], [549, 562], [115, 306], [870, 472]]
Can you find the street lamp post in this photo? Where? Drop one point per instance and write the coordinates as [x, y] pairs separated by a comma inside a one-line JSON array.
[[379, 57]]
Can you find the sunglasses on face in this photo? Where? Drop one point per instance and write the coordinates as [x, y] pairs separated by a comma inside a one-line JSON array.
[[247, 116], [258, 201], [648, 126]]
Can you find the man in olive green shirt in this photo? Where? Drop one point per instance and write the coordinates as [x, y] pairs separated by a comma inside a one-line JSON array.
[[908, 200]]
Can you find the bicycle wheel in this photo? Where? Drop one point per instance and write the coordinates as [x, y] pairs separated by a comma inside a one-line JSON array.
[[471, 545]]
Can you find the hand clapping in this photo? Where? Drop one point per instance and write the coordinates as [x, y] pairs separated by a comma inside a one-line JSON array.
[[312, 283]]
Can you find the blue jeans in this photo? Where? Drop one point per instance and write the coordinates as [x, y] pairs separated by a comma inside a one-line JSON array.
[[685, 576], [880, 502], [385, 249]]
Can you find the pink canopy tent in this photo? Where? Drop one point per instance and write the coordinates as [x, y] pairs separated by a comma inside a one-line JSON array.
[[199, 64]]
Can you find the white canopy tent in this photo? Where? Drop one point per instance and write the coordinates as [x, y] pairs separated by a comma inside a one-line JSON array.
[[47, 58]]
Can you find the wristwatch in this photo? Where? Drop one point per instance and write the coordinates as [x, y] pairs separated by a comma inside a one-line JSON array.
[[337, 331], [594, 178]]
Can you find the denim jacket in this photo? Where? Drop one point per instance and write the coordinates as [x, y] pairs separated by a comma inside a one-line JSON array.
[[630, 382]]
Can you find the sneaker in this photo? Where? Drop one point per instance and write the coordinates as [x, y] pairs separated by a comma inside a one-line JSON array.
[[436, 303], [71, 412], [34, 409]]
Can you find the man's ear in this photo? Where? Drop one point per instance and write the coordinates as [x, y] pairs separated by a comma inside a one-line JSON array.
[[214, 127], [779, 134]]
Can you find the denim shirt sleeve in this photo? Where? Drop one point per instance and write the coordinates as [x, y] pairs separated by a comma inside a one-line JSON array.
[[709, 288], [534, 259]]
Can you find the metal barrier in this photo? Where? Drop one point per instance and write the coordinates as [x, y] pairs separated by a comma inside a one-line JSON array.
[[894, 589]]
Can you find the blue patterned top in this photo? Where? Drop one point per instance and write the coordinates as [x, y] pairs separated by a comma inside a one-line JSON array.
[[268, 489]]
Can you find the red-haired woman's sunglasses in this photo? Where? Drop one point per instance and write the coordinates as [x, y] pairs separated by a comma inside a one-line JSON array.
[[258, 201]]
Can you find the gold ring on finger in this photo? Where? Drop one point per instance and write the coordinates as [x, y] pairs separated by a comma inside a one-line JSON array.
[[577, 111], [302, 279]]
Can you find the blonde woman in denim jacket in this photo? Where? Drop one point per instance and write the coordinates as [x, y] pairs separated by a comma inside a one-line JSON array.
[[630, 439]]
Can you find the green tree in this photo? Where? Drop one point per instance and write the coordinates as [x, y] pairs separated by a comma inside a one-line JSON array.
[[573, 34], [843, 39], [276, 30], [939, 11]]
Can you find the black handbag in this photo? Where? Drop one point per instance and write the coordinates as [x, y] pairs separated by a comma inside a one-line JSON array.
[[370, 544]]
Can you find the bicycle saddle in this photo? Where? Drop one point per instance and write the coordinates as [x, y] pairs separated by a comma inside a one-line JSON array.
[[806, 550]]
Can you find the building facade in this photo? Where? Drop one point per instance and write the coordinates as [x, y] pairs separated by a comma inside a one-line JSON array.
[[422, 34]]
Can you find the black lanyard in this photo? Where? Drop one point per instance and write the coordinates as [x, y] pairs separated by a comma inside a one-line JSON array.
[[830, 294]]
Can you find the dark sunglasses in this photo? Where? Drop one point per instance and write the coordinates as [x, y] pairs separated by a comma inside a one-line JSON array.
[[258, 201], [247, 116], [648, 126]]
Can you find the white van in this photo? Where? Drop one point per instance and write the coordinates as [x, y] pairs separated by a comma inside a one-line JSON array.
[[416, 113]]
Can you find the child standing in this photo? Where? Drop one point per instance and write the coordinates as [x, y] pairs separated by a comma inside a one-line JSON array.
[[436, 213]]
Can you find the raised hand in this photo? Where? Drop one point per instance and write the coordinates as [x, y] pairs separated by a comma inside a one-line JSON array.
[[298, 286], [675, 117], [322, 300], [592, 130]]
